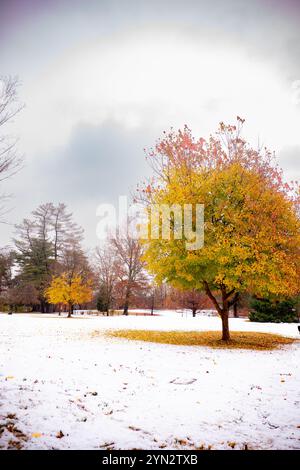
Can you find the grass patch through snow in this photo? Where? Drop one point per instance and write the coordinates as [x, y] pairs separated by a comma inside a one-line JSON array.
[[212, 339]]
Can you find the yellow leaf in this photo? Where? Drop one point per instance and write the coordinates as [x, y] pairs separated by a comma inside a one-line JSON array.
[[69, 290], [232, 444], [36, 434]]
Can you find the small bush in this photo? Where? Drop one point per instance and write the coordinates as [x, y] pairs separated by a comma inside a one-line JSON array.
[[274, 312], [15, 309]]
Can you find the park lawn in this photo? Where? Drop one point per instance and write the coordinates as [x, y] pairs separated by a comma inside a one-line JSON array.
[[72, 385]]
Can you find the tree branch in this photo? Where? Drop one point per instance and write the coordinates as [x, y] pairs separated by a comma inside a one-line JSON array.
[[233, 300], [212, 297]]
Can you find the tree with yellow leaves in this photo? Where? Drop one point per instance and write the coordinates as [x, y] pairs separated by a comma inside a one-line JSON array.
[[69, 290], [251, 223]]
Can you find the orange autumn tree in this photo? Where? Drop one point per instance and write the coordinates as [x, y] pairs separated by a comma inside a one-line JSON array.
[[251, 228], [69, 291]]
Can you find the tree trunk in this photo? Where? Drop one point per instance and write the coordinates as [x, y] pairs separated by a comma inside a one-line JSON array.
[[194, 311], [70, 310], [126, 306], [152, 305], [235, 310], [223, 310], [42, 306], [225, 326], [126, 303]]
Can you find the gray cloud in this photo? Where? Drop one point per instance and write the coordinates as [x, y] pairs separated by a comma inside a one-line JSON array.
[[289, 158], [97, 163], [262, 28], [96, 166]]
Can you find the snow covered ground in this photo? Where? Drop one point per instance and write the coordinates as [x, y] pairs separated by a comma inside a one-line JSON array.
[[63, 387]]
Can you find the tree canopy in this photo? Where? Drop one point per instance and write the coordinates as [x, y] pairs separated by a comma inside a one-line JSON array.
[[69, 291], [251, 224]]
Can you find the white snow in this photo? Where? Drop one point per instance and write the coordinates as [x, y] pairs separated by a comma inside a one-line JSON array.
[[56, 375]]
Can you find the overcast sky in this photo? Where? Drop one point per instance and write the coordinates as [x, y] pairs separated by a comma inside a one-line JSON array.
[[102, 79]]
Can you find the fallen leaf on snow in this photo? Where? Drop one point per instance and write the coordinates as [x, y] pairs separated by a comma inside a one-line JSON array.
[[133, 428], [182, 381]]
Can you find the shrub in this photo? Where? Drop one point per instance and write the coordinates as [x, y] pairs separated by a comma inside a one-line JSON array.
[[274, 312], [102, 304]]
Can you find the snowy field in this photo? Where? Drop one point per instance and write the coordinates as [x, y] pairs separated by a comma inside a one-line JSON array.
[[63, 387]]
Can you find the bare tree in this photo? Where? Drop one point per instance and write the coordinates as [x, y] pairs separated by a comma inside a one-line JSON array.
[[74, 262], [192, 300], [10, 161], [22, 294], [129, 254], [107, 271], [154, 296]]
